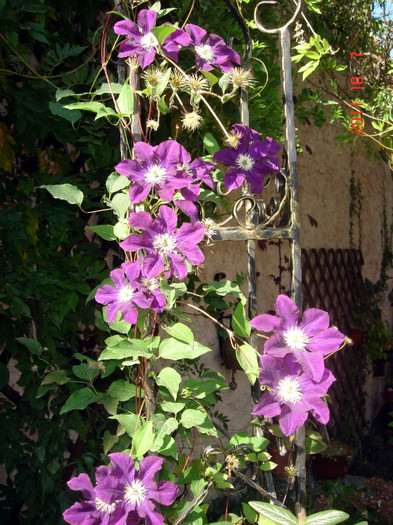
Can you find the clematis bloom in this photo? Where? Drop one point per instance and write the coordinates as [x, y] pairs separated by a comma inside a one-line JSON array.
[[135, 490], [124, 297], [308, 340], [252, 159], [163, 242], [142, 43], [211, 50], [291, 395]]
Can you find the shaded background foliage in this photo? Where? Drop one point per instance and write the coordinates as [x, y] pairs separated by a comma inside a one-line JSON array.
[[49, 265]]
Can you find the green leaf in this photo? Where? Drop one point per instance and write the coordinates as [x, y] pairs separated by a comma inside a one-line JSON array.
[[169, 426], [162, 32], [274, 513], [109, 441], [172, 292], [174, 349], [128, 421], [197, 418], [105, 89], [248, 360], [212, 79], [257, 443], [121, 390], [181, 332], [60, 111], [143, 440], [125, 100], [125, 349], [210, 143], [31, 344], [120, 204], [62, 93], [87, 106], [170, 379], [240, 323], [59, 377], [79, 400], [105, 231], [327, 517], [249, 513], [170, 406], [116, 182], [66, 192], [225, 288]]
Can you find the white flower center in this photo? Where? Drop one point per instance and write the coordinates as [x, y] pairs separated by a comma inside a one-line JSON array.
[[155, 174], [151, 284], [289, 390], [125, 294], [105, 507], [164, 243], [148, 41], [245, 162], [205, 52], [135, 493], [295, 338]]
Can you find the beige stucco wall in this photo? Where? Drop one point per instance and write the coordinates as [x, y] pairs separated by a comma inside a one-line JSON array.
[[324, 171]]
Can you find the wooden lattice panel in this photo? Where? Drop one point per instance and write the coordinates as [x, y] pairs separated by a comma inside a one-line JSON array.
[[331, 280]]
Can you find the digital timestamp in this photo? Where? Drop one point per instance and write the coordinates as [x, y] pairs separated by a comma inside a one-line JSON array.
[[357, 122]]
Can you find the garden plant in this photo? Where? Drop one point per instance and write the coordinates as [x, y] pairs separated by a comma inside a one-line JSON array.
[[144, 383]]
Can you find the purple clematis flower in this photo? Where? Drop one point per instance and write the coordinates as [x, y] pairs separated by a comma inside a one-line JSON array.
[[308, 341], [162, 241], [143, 44], [135, 489], [199, 170], [292, 395], [148, 284], [124, 297], [94, 510], [155, 167], [253, 159], [211, 50]]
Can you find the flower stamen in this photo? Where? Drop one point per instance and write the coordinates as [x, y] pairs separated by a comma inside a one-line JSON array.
[[125, 294], [289, 390], [135, 493], [245, 162], [164, 243], [295, 338]]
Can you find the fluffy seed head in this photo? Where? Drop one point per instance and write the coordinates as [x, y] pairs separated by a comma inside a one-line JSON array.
[[197, 83], [152, 76], [192, 120], [233, 139], [152, 124], [240, 77], [177, 80]]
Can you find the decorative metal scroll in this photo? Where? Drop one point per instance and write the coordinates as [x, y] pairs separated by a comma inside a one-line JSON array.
[[251, 219]]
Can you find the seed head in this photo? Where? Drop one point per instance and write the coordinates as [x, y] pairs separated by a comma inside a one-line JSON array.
[[240, 77], [233, 139], [197, 83], [192, 120], [152, 76], [177, 80], [152, 124]]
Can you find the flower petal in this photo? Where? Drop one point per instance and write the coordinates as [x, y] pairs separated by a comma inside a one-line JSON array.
[[146, 20], [314, 321], [167, 218], [84, 484], [326, 341], [267, 406], [165, 493], [265, 322], [287, 310], [313, 363], [291, 419]]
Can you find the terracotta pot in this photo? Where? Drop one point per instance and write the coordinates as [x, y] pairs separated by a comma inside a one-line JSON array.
[[329, 467], [282, 462]]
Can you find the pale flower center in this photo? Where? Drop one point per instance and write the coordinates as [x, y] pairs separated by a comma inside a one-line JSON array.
[[125, 294], [151, 284], [148, 41], [164, 243], [295, 338], [135, 493], [288, 390], [104, 507], [205, 52], [155, 174], [245, 162]]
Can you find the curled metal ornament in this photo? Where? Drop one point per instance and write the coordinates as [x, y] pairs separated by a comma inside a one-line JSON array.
[[277, 30]]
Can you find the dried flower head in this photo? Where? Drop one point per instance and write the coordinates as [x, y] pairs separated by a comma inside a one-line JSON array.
[[233, 140], [211, 228], [177, 80], [153, 76], [152, 124], [192, 120], [197, 83], [240, 77], [232, 462]]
